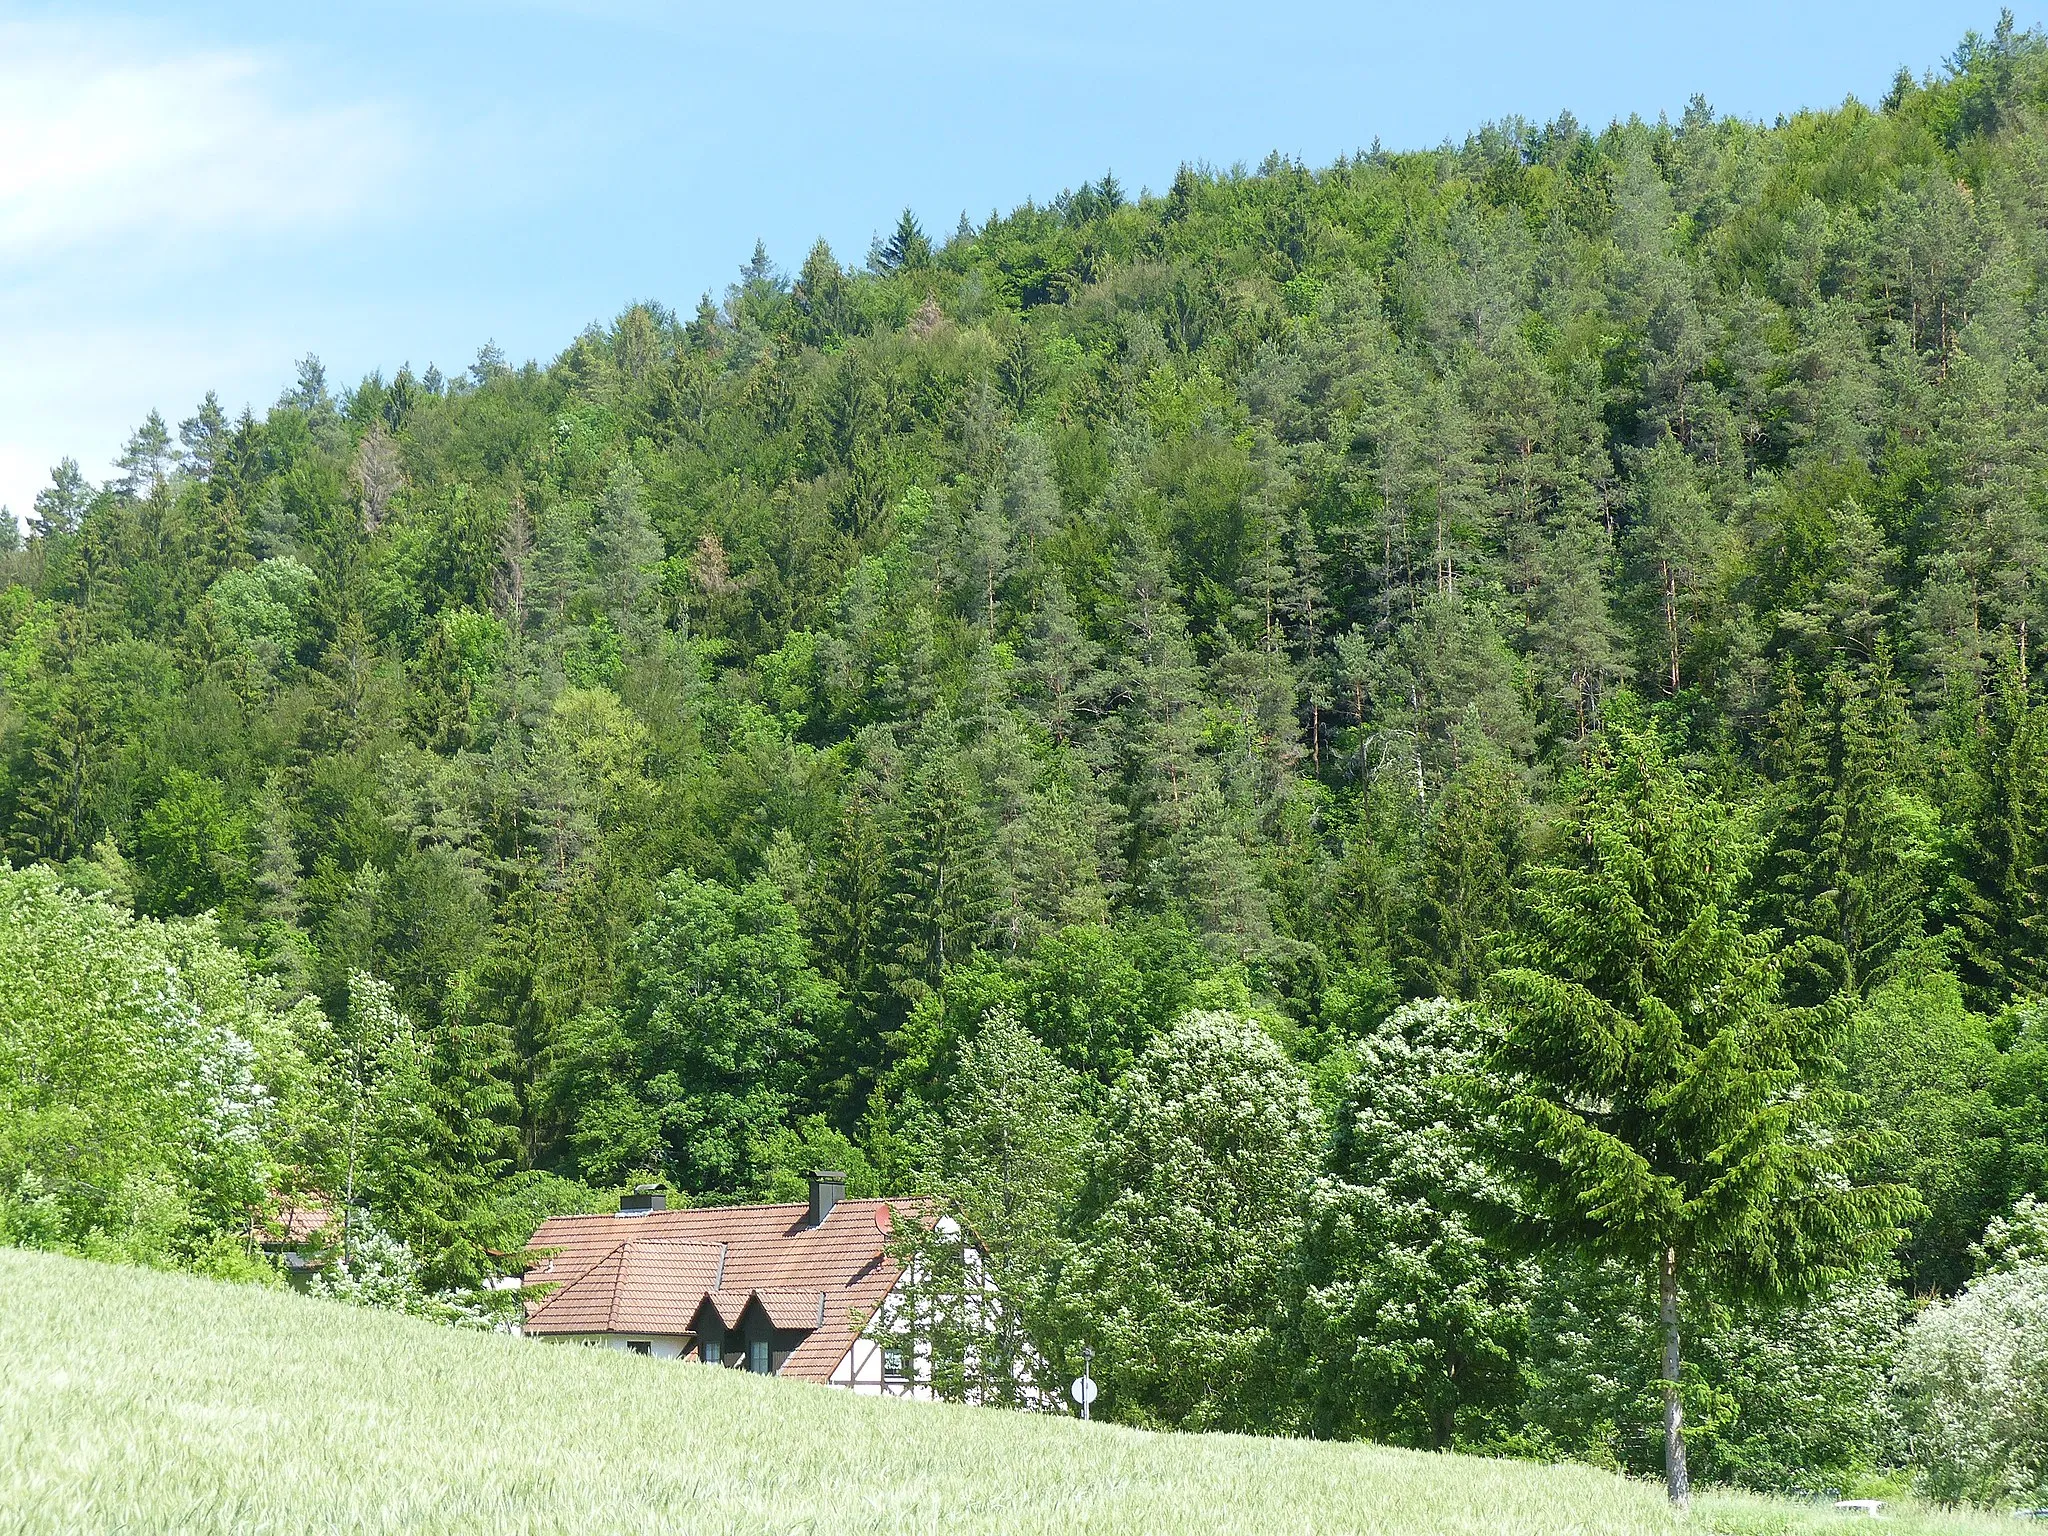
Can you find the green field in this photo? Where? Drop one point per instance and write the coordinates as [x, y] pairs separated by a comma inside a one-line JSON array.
[[137, 1401]]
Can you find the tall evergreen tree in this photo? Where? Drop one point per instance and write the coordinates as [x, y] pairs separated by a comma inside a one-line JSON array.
[[1998, 893], [1676, 1111], [60, 505]]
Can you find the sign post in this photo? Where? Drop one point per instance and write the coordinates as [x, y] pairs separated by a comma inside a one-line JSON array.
[[1084, 1389]]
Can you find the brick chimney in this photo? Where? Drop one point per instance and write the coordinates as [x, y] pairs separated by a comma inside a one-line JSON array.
[[827, 1190]]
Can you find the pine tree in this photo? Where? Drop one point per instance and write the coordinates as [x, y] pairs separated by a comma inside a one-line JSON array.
[[60, 505], [1673, 545], [1061, 664], [489, 365], [146, 459], [376, 474], [1167, 782], [204, 438], [1673, 1110]]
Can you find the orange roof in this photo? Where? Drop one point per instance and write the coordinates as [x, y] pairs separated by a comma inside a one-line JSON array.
[[648, 1286], [828, 1278], [293, 1223], [793, 1309], [729, 1305]]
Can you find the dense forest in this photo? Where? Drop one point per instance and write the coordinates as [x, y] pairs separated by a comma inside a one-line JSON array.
[[1379, 771]]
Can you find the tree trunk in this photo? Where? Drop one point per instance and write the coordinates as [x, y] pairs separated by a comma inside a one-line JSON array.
[[1677, 1482]]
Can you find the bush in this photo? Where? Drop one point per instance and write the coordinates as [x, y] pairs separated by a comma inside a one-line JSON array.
[[1973, 1389]]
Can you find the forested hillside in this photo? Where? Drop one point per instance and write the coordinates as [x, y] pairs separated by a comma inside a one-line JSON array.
[[1122, 714]]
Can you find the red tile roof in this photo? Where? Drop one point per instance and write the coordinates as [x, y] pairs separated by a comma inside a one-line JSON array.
[[793, 1309], [647, 1286], [729, 1305], [828, 1278], [292, 1224]]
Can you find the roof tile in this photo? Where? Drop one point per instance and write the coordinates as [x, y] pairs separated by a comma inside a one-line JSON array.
[[624, 1273]]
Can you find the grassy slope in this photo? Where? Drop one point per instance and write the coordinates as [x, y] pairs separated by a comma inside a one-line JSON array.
[[147, 1402]]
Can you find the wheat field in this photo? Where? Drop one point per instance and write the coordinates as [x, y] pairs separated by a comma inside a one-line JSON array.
[[138, 1402]]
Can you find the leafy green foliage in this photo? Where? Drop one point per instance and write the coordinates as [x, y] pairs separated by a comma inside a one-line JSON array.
[[1193, 1222], [718, 1037], [668, 759], [140, 1061]]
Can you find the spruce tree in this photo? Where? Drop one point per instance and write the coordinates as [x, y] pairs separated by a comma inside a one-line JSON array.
[[1998, 894], [1674, 1111], [1473, 846], [849, 913], [1843, 866], [939, 878], [907, 248], [627, 553]]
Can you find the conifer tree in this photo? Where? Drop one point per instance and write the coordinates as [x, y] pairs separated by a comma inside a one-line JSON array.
[[907, 248], [1674, 1110], [939, 877], [626, 553], [849, 913], [204, 438], [1998, 894], [1061, 663], [1843, 866], [1473, 848], [145, 460], [60, 505]]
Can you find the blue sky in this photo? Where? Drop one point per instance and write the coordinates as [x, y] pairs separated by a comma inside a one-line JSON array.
[[192, 196]]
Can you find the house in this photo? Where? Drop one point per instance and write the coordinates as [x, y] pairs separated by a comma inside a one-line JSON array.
[[783, 1290], [295, 1234]]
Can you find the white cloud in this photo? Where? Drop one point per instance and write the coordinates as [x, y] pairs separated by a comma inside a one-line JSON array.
[[156, 193], [108, 133]]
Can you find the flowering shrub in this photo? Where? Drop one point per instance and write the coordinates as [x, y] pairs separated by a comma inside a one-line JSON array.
[[1973, 1385]]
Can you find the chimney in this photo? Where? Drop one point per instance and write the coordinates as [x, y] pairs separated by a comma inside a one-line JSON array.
[[827, 1190], [645, 1198]]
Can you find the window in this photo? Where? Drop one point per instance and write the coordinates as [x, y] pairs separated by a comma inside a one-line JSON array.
[[714, 1351], [892, 1364], [640, 1346], [757, 1357]]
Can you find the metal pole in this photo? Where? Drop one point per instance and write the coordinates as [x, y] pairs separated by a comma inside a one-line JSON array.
[[1087, 1375]]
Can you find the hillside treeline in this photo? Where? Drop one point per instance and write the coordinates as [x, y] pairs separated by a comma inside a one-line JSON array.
[[1119, 682]]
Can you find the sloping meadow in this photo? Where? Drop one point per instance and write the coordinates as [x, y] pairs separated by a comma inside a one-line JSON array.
[[141, 1401]]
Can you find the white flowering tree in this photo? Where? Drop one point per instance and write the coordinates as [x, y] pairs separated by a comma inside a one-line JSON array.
[[1406, 1320], [1973, 1377], [141, 1065], [1207, 1143]]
